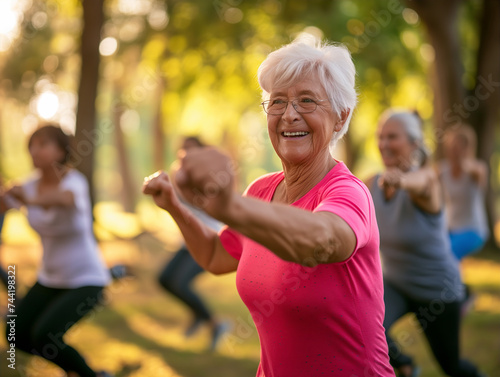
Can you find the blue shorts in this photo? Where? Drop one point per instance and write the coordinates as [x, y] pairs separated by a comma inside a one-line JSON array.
[[465, 242]]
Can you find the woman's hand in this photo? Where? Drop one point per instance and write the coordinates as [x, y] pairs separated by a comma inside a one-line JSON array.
[[392, 177], [206, 180], [159, 186]]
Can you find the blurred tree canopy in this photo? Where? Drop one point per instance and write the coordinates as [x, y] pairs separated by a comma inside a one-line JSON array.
[[172, 68]]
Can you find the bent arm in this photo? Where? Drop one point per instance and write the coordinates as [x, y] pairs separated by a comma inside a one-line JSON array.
[[53, 199], [293, 234], [478, 171], [422, 185], [203, 242]]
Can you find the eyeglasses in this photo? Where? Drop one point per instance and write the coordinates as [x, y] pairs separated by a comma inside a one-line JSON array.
[[302, 105]]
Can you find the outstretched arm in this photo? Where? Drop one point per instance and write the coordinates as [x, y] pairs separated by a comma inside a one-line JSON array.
[[293, 234], [422, 185], [52, 198]]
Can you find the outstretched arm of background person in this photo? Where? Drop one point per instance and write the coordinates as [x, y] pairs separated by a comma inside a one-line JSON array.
[[47, 199], [478, 171], [293, 234], [422, 185], [203, 242], [7, 201]]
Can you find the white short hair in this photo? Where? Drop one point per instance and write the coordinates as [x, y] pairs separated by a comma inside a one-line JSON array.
[[305, 56]]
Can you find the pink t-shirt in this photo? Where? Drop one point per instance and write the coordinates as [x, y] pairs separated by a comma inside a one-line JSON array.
[[323, 320]]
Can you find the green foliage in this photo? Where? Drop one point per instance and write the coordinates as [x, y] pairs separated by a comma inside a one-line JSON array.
[[207, 55]]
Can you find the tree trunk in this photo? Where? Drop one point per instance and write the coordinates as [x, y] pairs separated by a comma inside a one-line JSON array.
[[440, 20], [128, 186], [486, 97], [452, 105], [86, 135]]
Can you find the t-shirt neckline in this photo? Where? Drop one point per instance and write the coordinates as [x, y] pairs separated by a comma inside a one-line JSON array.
[[281, 177]]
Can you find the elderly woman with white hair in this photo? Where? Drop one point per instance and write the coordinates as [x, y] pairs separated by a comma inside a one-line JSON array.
[[421, 276], [304, 241]]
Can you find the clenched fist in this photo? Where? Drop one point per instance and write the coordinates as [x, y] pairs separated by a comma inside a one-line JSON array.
[[205, 179]]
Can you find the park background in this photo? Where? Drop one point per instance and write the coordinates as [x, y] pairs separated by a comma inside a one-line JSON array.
[[130, 77]]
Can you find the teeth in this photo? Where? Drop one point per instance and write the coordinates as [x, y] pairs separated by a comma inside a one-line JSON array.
[[297, 133]]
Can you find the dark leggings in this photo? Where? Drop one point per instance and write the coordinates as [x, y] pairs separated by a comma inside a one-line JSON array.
[[43, 317], [440, 322], [177, 278]]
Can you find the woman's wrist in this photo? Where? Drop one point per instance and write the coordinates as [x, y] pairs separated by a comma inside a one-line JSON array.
[[225, 212]]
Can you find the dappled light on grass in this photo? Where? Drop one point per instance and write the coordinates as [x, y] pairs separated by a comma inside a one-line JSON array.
[[156, 331], [115, 355], [39, 367], [112, 219], [139, 332], [121, 252], [16, 230], [488, 303], [479, 272], [484, 278]]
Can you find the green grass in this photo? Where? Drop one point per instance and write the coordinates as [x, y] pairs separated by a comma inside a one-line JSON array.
[[139, 330]]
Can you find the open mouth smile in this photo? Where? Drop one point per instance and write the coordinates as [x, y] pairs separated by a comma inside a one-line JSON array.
[[294, 134]]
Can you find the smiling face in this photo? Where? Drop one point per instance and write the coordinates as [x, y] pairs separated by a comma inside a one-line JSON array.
[[302, 138], [395, 146]]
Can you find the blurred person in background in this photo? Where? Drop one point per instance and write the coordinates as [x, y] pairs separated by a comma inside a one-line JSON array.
[[72, 275], [421, 275], [178, 275], [304, 241], [464, 179]]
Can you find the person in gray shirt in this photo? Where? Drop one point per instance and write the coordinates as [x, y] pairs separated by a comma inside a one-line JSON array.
[[421, 275]]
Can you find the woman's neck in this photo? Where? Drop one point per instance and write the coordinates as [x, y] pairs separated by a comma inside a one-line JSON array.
[[54, 174], [300, 179]]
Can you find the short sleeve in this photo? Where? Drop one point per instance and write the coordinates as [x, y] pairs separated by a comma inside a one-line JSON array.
[[261, 188], [231, 241], [350, 200]]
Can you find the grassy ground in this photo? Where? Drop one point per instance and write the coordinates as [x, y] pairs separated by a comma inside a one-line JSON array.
[[139, 331]]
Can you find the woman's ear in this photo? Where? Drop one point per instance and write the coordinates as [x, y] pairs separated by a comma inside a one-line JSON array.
[[344, 114]]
